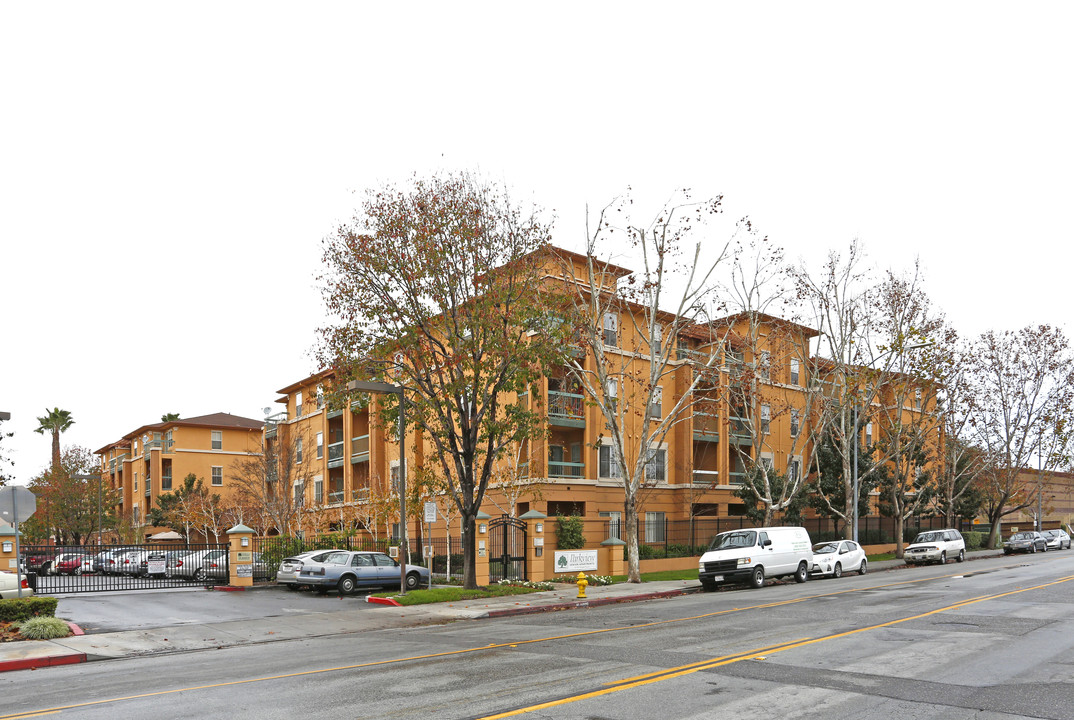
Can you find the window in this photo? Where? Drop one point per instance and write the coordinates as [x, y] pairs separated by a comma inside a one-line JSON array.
[[793, 468], [654, 467], [318, 490], [615, 524], [766, 418], [299, 493], [135, 486], [654, 527], [320, 445], [298, 404], [298, 450], [764, 365], [608, 465], [768, 461], [395, 477], [218, 476], [320, 397], [218, 439], [794, 423], [168, 441], [795, 369], [136, 515], [656, 408], [868, 434], [134, 451], [611, 395], [657, 340], [611, 329], [917, 399]]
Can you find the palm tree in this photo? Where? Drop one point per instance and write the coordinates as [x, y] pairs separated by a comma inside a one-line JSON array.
[[168, 417], [55, 421]]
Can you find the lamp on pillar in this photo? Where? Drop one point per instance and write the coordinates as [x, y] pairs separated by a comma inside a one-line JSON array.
[[381, 388]]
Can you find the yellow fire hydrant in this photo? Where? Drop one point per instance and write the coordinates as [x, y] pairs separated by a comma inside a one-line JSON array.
[[582, 582]]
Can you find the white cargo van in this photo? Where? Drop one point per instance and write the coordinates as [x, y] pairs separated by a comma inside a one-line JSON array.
[[751, 555]]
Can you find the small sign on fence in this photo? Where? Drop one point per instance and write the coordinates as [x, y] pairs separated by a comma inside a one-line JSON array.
[[567, 561], [244, 571]]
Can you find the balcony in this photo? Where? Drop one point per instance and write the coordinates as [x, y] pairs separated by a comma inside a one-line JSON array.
[[741, 432], [360, 495], [166, 483], [334, 414], [335, 454], [335, 497], [706, 427], [738, 478], [270, 431], [360, 449], [566, 469], [566, 409]]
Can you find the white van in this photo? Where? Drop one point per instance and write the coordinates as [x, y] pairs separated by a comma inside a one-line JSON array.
[[752, 554]]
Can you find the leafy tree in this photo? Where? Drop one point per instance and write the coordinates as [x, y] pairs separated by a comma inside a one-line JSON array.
[[761, 480], [435, 286], [265, 483], [827, 492], [184, 508], [54, 422], [67, 503], [168, 417], [569, 535]]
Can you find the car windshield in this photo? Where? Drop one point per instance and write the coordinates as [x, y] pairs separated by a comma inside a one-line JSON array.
[[825, 548], [736, 539], [1020, 536], [927, 537]]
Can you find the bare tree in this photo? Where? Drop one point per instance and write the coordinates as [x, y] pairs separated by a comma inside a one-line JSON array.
[[626, 369], [266, 481], [1023, 386]]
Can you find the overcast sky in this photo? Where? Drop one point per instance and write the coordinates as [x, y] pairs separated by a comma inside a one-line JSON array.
[[167, 172]]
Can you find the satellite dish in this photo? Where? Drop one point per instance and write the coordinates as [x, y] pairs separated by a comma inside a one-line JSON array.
[[268, 410]]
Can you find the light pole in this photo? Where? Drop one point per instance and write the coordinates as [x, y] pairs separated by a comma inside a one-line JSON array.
[[854, 469], [382, 388]]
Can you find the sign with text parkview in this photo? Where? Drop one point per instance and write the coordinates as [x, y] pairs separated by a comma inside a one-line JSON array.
[[575, 560]]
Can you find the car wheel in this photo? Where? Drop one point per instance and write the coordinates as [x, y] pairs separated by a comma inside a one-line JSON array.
[[961, 555], [943, 558], [1033, 547], [864, 568], [1045, 548], [838, 571], [412, 581], [757, 577], [346, 585], [708, 584], [200, 575], [46, 569], [78, 570]]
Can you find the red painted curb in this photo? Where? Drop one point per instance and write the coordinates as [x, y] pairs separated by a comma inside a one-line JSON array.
[[75, 629], [381, 601], [30, 663], [227, 588]]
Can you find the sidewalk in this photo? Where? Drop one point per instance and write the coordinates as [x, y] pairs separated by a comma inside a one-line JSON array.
[[178, 638]]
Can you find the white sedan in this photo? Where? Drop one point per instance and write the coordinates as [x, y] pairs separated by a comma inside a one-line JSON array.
[[838, 556], [9, 586]]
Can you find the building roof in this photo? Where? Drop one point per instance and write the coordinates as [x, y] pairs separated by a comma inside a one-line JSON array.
[[219, 420], [315, 377]]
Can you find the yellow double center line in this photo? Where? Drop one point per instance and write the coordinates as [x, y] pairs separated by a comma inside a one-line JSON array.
[[616, 687]]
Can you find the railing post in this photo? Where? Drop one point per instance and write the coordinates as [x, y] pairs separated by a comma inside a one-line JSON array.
[[241, 556], [9, 560], [614, 547]]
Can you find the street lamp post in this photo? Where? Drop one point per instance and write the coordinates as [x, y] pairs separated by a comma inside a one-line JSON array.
[[854, 469], [382, 388]]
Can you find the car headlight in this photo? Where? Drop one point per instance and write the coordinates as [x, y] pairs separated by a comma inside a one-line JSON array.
[[744, 561], [700, 566]]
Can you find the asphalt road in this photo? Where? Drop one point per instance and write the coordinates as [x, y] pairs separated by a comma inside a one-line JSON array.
[[988, 639]]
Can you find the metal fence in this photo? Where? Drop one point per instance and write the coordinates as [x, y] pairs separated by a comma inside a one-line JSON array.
[[100, 568], [446, 552]]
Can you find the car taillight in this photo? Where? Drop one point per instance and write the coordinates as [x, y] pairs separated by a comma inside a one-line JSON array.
[[178, 563], [25, 584]]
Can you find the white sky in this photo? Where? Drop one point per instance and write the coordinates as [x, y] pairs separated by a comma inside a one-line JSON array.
[[167, 171]]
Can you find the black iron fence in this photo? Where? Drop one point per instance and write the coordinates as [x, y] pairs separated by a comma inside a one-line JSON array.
[[99, 568], [445, 553]]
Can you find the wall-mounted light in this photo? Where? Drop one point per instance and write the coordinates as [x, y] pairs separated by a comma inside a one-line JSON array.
[[540, 527], [482, 528]]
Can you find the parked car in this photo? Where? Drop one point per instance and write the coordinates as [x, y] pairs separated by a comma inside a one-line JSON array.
[[287, 573], [348, 570], [108, 561], [935, 546], [833, 558], [202, 565], [40, 560], [69, 564], [9, 586], [1057, 539], [174, 559], [753, 555], [1029, 541]]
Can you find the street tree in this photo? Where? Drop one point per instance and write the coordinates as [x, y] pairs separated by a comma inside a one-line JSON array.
[[68, 501], [266, 482], [54, 422], [628, 339], [435, 286], [1023, 387]]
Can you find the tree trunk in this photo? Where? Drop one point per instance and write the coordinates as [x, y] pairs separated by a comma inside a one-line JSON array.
[[469, 552], [55, 450], [630, 513], [900, 523]]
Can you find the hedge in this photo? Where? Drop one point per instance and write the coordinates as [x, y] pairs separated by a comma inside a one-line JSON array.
[[20, 609]]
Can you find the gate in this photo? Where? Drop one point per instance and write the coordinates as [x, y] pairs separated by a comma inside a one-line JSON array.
[[507, 549], [107, 568]]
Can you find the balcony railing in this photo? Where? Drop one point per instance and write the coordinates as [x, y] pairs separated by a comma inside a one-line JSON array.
[[706, 427], [566, 469], [741, 432], [335, 497], [566, 409], [166, 483], [360, 449], [706, 477], [738, 478], [360, 495], [335, 453]]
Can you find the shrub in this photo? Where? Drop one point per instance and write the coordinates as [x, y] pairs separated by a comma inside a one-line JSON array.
[[527, 584], [44, 628], [974, 540], [676, 550], [569, 535], [20, 609], [599, 579], [648, 552], [440, 563]]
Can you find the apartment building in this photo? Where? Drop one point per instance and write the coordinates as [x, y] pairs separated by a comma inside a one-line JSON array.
[[154, 458]]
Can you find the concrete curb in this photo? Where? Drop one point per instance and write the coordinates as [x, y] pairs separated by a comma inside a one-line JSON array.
[[589, 602]]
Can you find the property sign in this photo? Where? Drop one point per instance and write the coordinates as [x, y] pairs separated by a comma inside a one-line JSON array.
[[156, 564], [244, 556], [244, 571], [575, 560], [430, 512]]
